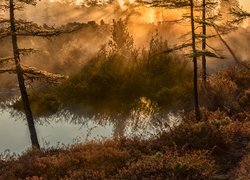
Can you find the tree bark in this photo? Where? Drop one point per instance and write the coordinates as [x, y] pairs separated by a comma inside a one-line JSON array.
[[21, 81], [204, 39], [195, 80]]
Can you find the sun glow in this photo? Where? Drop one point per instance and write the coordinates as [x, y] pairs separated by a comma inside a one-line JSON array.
[[245, 4], [148, 15]]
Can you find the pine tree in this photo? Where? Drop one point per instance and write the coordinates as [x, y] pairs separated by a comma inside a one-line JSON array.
[[195, 54], [199, 26], [14, 28]]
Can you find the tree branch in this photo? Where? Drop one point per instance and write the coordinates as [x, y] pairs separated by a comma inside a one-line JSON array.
[[230, 49], [34, 74]]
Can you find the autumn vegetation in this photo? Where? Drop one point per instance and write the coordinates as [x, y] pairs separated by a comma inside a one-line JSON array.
[[210, 142]]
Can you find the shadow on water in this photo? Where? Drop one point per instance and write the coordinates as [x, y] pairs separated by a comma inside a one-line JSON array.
[[72, 125]]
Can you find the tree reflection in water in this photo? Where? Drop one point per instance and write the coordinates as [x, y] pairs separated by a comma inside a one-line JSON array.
[[144, 121]]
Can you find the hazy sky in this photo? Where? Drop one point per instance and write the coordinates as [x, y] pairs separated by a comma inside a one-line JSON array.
[[245, 4]]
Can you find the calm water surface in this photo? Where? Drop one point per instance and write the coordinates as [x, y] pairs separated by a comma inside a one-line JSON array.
[[54, 130], [65, 127]]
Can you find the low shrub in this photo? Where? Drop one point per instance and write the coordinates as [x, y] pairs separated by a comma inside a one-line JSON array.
[[108, 159], [227, 90], [243, 171], [193, 165]]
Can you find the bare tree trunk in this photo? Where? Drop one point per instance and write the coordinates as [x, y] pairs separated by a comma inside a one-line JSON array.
[[195, 80], [204, 38], [20, 76]]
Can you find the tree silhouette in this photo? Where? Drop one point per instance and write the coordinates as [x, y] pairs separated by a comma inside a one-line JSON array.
[[14, 28], [195, 76], [122, 41], [171, 4], [199, 25], [204, 43]]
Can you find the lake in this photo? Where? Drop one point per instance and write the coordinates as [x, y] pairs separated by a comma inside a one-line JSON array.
[[65, 127], [53, 131]]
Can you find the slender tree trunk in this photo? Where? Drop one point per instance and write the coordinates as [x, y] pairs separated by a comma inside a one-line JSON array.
[[204, 33], [195, 80], [230, 49], [20, 77]]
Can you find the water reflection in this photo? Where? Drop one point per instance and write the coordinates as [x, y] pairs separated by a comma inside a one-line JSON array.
[[52, 131], [68, 126]]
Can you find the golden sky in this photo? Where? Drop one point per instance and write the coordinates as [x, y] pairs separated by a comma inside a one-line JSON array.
[[244, 3]]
